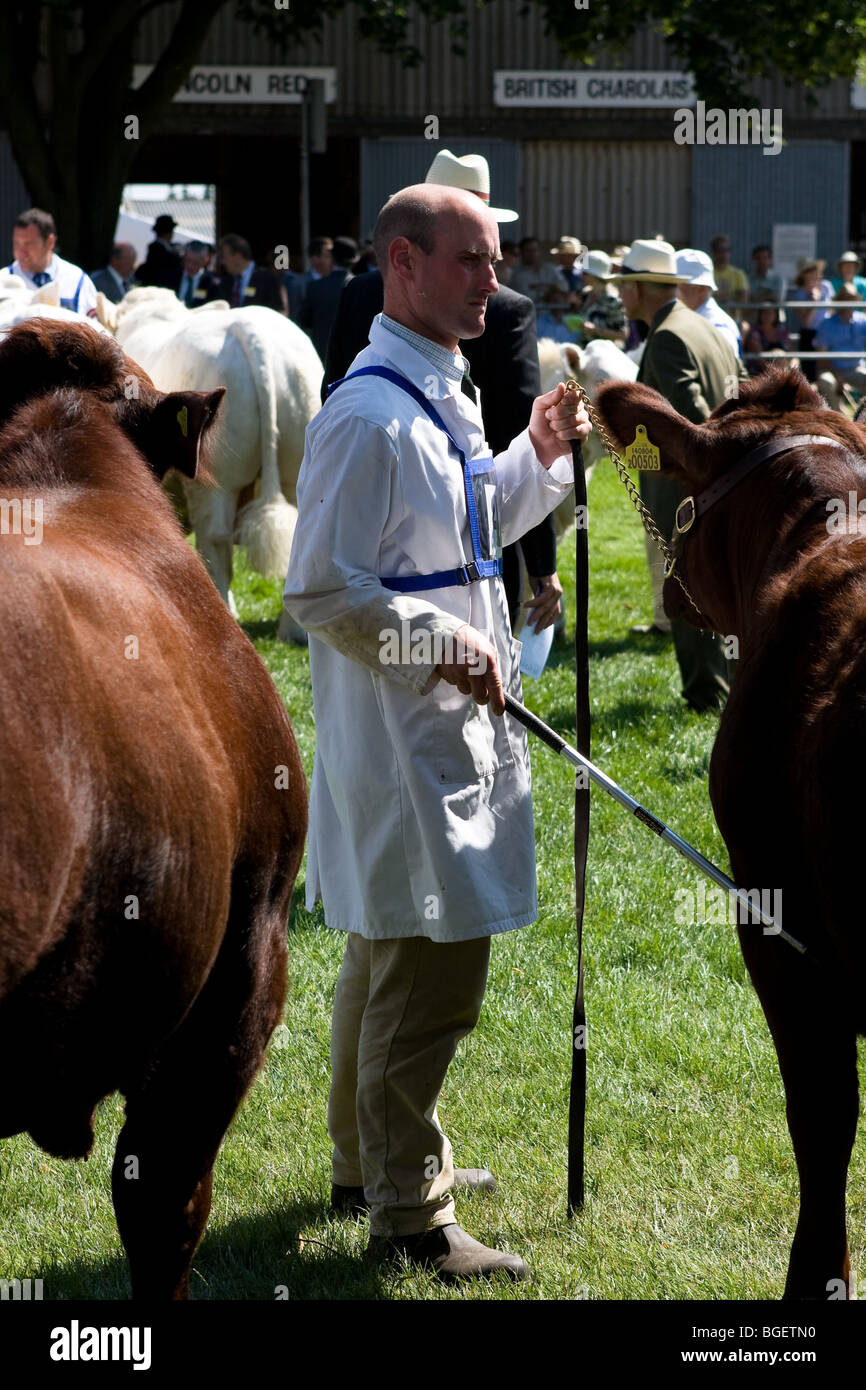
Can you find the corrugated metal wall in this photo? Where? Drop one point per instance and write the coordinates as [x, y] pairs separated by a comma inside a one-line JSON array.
[[387, 165], [606, 193], [501, 35], [372, 86], [742, 192], [14, 198]]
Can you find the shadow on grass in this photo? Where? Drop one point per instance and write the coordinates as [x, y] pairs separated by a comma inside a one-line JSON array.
[[562, 653], [628, 714], [249, 1258], [261, 629]]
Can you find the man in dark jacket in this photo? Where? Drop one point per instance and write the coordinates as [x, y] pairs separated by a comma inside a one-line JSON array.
[[198, 285], [245, 283], [319, 307], [695, 368], [162, 266], [504, 366]]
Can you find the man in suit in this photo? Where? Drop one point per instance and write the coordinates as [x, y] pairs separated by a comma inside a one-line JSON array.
[[198, 285], [115, 279], [162, 266], [245, 283], [695, 368], [320, 255], [503, 364], [319, 307]]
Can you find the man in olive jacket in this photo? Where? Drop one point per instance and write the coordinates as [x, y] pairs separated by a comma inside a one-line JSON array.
[[694, 367]]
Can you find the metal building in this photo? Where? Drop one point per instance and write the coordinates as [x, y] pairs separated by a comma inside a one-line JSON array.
[[585, 151]]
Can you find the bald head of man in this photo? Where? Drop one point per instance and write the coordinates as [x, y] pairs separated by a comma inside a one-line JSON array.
[[436, 248]]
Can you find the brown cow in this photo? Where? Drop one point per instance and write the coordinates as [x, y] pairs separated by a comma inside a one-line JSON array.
[[770, 563], [153, 801]]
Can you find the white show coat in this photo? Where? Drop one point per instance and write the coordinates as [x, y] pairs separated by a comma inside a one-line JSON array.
[[77, 290], [420, 809]]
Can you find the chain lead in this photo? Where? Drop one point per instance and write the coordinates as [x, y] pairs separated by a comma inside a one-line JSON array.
[[643, 512]]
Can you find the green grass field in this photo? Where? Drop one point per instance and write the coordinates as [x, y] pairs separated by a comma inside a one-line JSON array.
[[691, 1183]]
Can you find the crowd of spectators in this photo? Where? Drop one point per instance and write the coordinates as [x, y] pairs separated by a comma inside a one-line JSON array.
[[571, 288]]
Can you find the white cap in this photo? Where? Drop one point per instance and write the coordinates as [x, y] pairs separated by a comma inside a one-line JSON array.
[[597, 263], [697, 267]]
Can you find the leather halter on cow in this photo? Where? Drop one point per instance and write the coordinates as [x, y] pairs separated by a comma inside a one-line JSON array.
[[691, 509]]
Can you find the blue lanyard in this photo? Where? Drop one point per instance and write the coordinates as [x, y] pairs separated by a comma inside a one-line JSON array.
[[478, 567], [73, 303]]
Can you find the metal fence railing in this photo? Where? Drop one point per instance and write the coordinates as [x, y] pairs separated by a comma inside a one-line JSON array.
[[738, 310]]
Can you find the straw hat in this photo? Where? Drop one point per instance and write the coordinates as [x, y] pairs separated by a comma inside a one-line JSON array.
[[804, 266], [469, 171], [652, 261], [566, 246]]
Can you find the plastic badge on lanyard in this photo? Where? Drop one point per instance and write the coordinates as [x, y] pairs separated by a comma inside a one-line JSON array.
[[480, 475], [479, 485]]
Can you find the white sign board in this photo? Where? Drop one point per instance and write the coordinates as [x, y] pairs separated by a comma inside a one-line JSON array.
[[793, 242], [245, 84], [590, 87], [857, 96]]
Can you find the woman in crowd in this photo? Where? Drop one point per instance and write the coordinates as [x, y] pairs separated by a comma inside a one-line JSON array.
[[810, 286], [847, 267], [767, 334], [601, 308]]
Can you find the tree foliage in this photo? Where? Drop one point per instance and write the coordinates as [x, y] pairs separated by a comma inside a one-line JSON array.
[[66, 68], [726, 46]]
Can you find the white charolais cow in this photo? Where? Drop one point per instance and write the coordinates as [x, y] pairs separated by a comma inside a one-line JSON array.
[[593, 365], [272, 374]]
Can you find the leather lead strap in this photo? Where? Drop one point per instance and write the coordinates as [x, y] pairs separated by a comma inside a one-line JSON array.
[[577, 1097]]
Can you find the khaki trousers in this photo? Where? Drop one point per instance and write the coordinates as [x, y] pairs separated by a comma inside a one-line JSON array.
[[705, 673], [400, 1009]]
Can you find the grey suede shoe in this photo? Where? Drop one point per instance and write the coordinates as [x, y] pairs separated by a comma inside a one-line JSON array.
[[450, 1251], [352, 1202]]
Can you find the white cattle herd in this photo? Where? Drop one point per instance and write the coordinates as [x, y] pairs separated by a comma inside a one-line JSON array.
[[272, 374]]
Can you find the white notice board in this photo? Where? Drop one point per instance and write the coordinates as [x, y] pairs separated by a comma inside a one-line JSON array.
[[793, 242]]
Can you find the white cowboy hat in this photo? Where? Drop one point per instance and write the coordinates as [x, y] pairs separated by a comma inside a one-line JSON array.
[[697, 267], [597, 263], [653, 261], [469, 171]]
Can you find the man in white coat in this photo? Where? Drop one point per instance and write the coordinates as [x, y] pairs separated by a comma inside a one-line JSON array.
[[421, 841]]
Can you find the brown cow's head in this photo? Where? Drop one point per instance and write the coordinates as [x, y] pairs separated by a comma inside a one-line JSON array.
[[724, 554], [43, 355]]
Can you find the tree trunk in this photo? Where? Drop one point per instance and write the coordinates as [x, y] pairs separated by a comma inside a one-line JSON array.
[[73, 142]]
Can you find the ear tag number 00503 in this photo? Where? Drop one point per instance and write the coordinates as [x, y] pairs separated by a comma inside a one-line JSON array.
[[642, 453]]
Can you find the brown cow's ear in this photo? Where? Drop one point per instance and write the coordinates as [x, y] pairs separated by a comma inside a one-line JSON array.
[[682, 449], [176, 429]]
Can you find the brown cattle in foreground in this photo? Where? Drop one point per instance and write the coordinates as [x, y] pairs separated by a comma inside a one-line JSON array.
[[780, 562], [152, 798]]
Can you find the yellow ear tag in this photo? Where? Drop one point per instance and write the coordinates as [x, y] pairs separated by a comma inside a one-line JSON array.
[[641, 453], [182, 421]]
